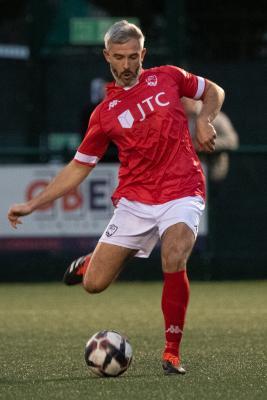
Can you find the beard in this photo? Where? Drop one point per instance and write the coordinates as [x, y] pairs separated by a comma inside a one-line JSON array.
[[127, 77]]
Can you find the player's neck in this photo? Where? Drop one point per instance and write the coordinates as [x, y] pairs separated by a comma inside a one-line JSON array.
[[127, 87]]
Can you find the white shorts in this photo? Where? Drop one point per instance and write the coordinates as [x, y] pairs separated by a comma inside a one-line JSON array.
[[139, 226]]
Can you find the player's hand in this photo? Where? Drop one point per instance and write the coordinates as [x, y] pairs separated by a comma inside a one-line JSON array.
[[16, 211], [205, 137]]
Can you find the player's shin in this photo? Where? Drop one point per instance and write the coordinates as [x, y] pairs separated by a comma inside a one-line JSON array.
[[175, 298]]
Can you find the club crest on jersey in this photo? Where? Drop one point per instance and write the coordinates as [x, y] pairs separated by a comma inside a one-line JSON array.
[[111, 230], [152, 80]]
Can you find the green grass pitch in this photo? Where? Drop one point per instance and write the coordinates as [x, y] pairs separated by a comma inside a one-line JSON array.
[[44, 328]]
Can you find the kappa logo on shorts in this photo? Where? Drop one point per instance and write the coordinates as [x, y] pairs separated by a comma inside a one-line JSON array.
[[111, 230]]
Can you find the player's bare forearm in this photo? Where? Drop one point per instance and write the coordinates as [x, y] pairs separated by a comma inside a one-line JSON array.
[[212, 98], [67, 179]]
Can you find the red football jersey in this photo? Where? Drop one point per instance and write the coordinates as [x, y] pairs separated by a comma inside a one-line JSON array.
[[148, 125]]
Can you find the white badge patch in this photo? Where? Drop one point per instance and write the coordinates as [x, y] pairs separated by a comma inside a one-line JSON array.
[[126, 119], [111, 230]]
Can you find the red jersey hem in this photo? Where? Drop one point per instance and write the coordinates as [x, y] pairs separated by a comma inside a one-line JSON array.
[[116, 199]]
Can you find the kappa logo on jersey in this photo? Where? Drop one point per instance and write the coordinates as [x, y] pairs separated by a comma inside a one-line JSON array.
[[113, 104], [111, 230], [146, 106], [174, 329], [152, 80]]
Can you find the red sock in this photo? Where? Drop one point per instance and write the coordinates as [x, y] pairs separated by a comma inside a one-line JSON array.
[[175, 297]]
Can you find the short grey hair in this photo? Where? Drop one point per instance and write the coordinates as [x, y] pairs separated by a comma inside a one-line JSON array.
[[122, 32]]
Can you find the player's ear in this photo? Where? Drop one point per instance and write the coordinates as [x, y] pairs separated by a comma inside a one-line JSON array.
[[143, 54], [106, 55]]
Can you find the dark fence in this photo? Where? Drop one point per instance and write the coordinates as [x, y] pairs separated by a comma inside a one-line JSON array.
[[235, 247], [50, 94], [238, 216]]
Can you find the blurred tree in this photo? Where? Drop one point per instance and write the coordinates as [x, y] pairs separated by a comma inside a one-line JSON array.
[[11, 8], [150, 14], [228, 30], [13, 26], [203, 30], [224, 31], [63, 11]]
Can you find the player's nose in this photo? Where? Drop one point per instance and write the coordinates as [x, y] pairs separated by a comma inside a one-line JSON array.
[[126, 63]]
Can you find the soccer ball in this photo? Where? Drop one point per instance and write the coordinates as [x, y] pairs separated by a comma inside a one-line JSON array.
[[108, 353]]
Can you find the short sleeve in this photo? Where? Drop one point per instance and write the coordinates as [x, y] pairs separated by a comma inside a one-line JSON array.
[[190, 85], [94, 144]]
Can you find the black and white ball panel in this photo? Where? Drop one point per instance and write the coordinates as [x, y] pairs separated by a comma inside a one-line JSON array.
[[107, 353]]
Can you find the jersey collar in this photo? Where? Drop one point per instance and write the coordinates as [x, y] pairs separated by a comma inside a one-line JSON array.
[[113, 87]]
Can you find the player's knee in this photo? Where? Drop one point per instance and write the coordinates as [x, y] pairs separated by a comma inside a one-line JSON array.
[[93, 286], [174, 261]]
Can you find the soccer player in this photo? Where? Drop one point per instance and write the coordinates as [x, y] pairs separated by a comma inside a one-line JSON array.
[[161, 190]]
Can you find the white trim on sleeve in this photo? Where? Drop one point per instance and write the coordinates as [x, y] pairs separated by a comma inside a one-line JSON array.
[[200, 87], [85, 158]]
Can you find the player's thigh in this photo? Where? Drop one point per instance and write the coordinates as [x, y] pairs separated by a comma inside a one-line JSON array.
[[105, 264], [177, 243]]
